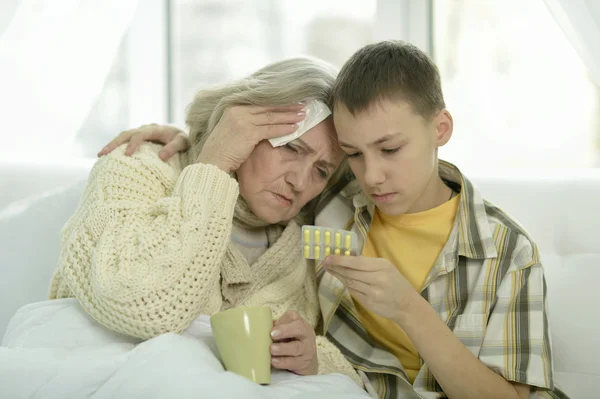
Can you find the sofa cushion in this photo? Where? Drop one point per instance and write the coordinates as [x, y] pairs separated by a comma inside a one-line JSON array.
[[30, 246]]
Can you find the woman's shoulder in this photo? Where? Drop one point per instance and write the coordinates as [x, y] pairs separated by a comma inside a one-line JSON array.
[[145, 157], [144, 165]]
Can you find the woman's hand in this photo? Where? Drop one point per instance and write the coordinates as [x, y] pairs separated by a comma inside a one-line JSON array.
[[242, 127], [374, 282], [174, 139], [294, 345]]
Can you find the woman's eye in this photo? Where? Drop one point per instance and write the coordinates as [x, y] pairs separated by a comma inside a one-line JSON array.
[[323, 174], [391, 150]]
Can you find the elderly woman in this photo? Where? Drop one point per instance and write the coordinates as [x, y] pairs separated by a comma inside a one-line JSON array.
[[155, 244]]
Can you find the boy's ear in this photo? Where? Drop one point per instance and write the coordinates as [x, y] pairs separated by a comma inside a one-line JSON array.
[[444, 126]]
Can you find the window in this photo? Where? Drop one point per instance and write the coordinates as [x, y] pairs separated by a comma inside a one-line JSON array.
[[519, 93], [74, 74], [216, 40]]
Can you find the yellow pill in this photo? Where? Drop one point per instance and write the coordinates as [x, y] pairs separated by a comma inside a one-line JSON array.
[[337, 251], [327, 237], [338, 239], [317, 236], [307, 236], [348, 241], [347, 253], [317, 252], [307, 251], [327, 251]]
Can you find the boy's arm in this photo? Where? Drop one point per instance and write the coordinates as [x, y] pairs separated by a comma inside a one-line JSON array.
[[455, 368], [515, 352], [517, 327]]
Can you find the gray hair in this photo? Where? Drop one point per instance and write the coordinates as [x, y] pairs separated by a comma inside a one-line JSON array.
[[284, 82]]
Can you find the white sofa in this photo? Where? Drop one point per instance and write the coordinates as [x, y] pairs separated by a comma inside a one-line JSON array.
[[561, 210]]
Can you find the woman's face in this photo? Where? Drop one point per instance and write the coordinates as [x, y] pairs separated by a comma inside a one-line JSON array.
[[277, 182]]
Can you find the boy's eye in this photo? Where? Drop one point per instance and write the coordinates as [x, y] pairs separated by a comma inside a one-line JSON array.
[[354, 155]]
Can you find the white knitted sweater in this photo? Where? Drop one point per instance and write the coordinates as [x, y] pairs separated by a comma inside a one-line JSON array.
[[148, 250]]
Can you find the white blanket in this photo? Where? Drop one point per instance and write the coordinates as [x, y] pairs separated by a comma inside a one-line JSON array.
[[53, 349]]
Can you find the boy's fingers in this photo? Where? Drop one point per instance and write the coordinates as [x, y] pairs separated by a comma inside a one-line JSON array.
[[353, 285], [153, 132], [350, 262], [135, 143], [172, 137], [166, 153], [117, 141], [178, 144]]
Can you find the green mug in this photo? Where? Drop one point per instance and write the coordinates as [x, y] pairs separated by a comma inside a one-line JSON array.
[[243, 338]]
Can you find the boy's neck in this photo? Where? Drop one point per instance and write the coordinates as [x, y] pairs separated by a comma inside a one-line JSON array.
[[436, 193]]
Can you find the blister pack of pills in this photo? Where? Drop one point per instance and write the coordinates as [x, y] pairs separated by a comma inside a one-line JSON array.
[[319, 242]]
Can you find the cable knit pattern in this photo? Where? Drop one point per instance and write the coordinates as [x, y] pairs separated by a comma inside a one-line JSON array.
[[142, 252], [149, 249]]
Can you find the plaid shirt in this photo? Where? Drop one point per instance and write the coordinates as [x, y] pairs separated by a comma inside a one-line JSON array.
[[487, 285]]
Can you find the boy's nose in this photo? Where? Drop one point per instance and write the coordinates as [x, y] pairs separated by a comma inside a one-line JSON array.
[[374, 175]]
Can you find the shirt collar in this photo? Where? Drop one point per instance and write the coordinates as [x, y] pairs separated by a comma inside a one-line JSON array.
[[471, 235]]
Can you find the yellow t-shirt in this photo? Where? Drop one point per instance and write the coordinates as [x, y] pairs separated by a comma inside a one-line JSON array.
[[412, 242]]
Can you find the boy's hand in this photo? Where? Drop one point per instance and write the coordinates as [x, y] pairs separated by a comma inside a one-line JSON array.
[[374, 282], [174, 139], [295, 345]]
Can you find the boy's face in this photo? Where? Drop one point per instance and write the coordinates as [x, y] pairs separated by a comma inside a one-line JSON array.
[[393, 154]]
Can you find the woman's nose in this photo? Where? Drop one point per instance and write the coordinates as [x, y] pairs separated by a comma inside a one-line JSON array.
[[298, 176]]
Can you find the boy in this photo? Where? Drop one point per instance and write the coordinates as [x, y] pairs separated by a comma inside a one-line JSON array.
[[448, 296]]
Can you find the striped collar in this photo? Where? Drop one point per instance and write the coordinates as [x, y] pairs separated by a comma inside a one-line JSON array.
[[473, 237]]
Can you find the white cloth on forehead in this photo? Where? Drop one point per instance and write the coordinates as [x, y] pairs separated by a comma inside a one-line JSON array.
[[316, 112]]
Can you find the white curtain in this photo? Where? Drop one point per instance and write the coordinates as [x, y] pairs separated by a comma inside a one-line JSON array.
[[580, 20], [54, 59]]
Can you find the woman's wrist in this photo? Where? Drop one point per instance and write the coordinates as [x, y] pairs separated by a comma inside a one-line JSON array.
[[211, 160]]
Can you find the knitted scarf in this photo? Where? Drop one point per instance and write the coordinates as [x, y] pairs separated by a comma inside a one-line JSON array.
[[282, 260]]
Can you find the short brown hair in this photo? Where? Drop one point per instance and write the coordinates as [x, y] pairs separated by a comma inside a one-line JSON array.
[[389, 70]]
